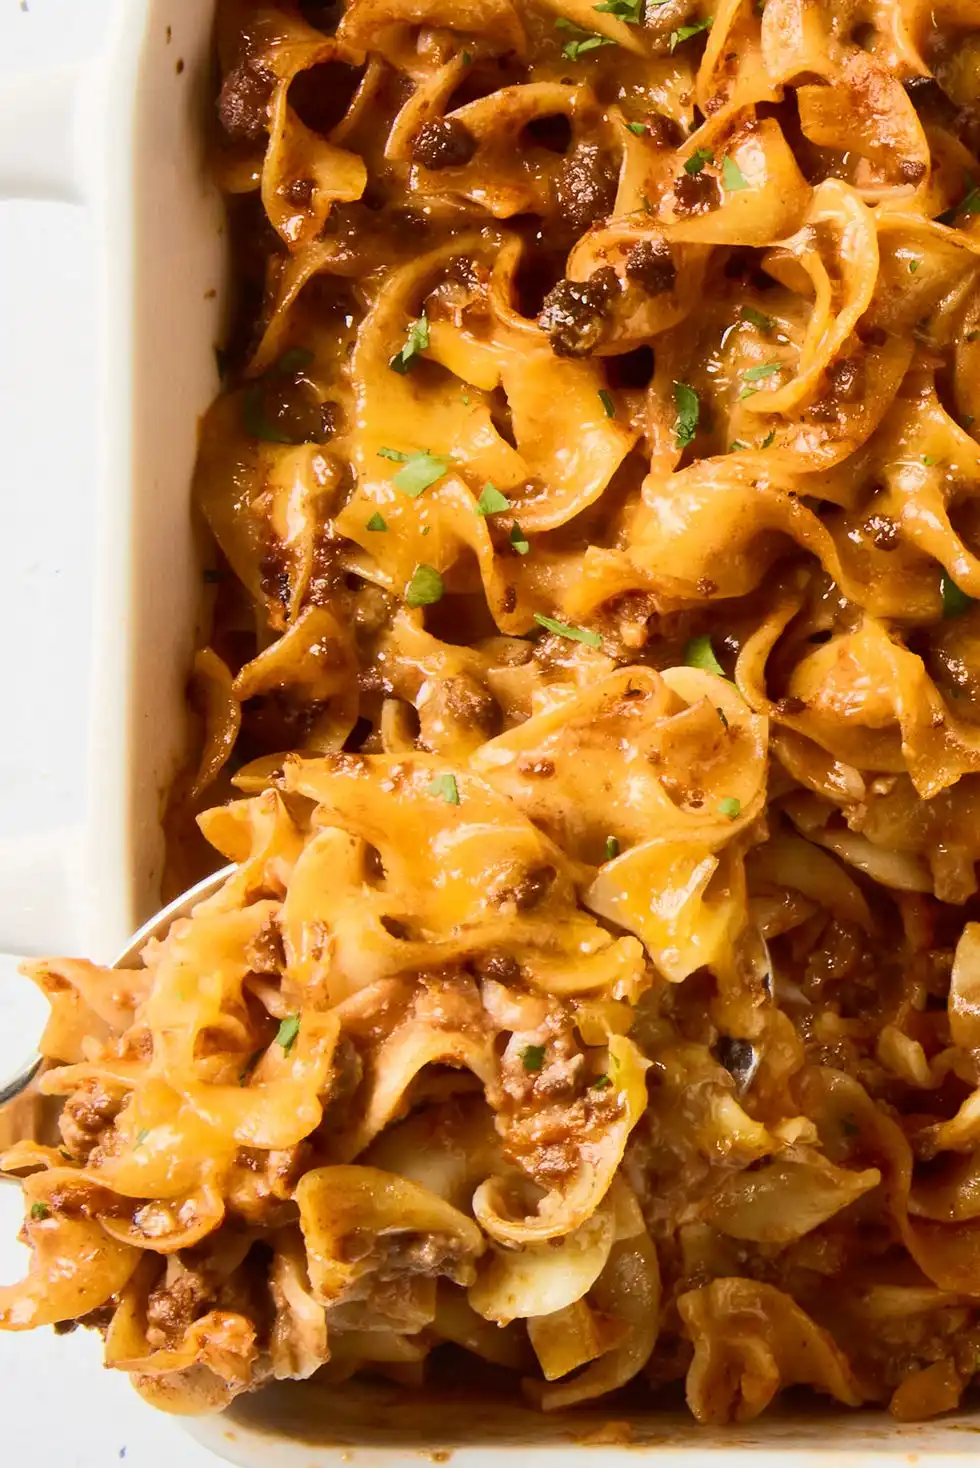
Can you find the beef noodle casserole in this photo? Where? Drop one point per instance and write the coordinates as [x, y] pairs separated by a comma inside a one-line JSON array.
[[596, 669]]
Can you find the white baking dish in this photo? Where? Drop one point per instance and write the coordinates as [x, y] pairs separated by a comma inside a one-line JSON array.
[[128, 138]]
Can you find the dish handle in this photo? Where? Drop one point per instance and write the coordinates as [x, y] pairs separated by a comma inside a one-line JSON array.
[[42, 154]]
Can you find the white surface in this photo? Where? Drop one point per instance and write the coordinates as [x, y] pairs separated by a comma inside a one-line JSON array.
[[58, 1404]]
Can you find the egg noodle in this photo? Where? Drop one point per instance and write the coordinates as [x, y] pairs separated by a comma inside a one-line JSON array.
[[596, 665]]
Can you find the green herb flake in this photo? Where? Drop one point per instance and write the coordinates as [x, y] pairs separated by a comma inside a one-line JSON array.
[[697, 160], [638, 128], [688, 413], [467, 58], [425, 588], [40, 1211], [732, 176], [747, 392], [769, 439], [913, 266], [628, 11], [735, 445], [416, 343], [601, 1083], [142, 1136], [395, 455], [607, 403], [969, 204], [376, 522], [464, 399], [767, 369], [698, 653], [612, 848], [519, 540], [445, 786], [973, 336], [288, 1030], [955, 601], [582, 41], [930, 460], [419, 472], [685, 32], [757, 318], [574, 634], [730, 807], [532, 1058], [491, 501]]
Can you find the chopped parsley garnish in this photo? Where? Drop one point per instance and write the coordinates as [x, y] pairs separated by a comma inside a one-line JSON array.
[[969, 204], [532, 1058], [629, 11], [425, 588], [757, 318], [732, 176], [685, 32], [769, 438], [730, 807], [288, 1030], [697, 160], [419, 472], [562, 629], [955, 601], [582, 41], [464, 399], [142, 1136], [756, 374], [601, 1083], [491, 501], [376, 522], [913, 266], [416, 343], [607, 403], [467, 58], [698, 653], [445, 785], [519, 540], [395, 455], [40, 1210], [639, 128], [688, 413], [930, 460], [612, 848], [735, 445]]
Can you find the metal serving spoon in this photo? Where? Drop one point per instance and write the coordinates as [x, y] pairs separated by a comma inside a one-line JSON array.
[[15, 1079]]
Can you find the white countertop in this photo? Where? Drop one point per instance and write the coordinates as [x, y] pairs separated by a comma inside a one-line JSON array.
[[59, 1406]]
